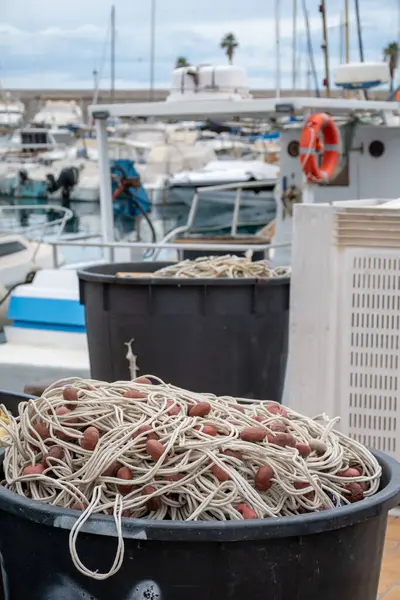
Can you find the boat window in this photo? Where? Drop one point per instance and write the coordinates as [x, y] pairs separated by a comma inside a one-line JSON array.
[[7, 248], [10, 111], [293, 148], [64, 137], [376, 148], [34, 137]]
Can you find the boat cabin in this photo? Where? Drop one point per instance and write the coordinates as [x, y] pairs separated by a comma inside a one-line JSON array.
[[37, 138], [368, 151]]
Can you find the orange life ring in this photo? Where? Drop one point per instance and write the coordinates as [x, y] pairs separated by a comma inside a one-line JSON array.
[[311, 145]]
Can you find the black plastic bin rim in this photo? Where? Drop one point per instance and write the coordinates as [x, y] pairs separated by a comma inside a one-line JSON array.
[[219, 531], [93, 277]]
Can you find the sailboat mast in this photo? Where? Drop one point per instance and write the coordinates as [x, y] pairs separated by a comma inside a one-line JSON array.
[[112, 91], [360, 40], [325, 47], [313, 70], [152, 46], [294, 45], [346, 30], [278, 48], [95, 74], [398, 43], [341, 39]]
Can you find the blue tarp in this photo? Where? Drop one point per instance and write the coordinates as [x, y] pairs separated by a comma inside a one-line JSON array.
[[273, 135], [125, 204]]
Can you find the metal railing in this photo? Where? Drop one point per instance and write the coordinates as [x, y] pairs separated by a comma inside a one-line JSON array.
[[67, 214], [43, 227], [239, 186], [160, 246], [166, 244], [36, 146]]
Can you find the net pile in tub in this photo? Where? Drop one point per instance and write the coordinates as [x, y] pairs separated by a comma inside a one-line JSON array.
[[147, 449]]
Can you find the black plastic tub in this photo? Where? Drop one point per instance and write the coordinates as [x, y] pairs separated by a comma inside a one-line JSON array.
[[334, 554], [225, 335], [12, 399]]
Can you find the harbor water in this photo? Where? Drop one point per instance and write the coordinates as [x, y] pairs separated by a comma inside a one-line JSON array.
[[211, 219]]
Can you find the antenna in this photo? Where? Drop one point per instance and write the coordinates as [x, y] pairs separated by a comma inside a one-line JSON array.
[[359, 31]]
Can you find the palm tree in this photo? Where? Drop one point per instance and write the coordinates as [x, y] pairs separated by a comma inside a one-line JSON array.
[[181, 61], [391, 53], [229, 43]]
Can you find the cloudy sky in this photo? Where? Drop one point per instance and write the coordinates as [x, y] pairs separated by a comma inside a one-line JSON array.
[[57, 44]]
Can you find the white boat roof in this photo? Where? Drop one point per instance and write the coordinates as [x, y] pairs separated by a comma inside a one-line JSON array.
[[31, 129], [254, 108]]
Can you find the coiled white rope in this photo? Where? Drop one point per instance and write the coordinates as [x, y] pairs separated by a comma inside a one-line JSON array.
[[222, 267], [138, 450]]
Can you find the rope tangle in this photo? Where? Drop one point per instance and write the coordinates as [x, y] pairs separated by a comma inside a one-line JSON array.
[[146, 449], [228, 266]]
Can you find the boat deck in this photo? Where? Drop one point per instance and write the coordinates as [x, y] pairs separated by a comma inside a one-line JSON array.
[[389, 584]]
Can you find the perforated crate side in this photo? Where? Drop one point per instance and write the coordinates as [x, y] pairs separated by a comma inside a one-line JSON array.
[[369, 346], [345, 320]]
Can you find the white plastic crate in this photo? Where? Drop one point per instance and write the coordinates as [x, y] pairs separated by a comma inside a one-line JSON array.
[[345, 318]]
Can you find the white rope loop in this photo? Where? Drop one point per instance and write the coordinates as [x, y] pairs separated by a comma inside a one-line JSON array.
[[119, 556]]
